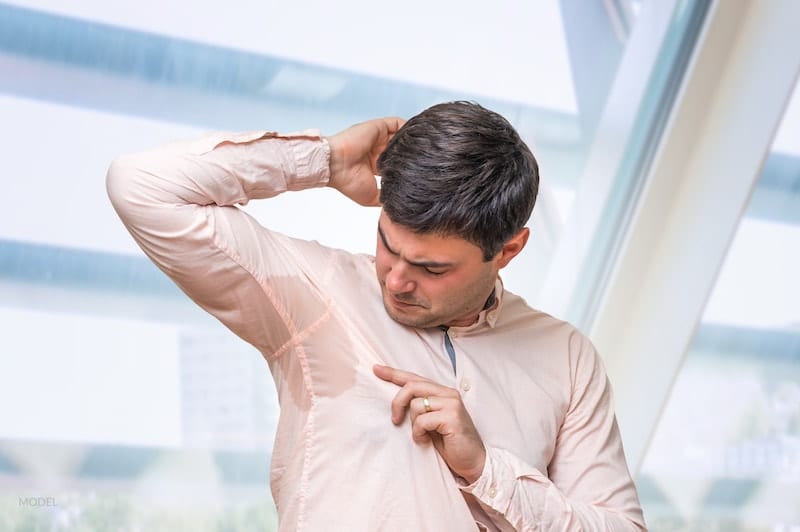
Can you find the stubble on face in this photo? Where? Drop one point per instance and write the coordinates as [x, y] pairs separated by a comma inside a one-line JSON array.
[[421, 297], [459, 306]]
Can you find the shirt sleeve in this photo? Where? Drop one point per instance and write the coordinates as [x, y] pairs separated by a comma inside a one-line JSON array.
[[179, 202], [587, 487]]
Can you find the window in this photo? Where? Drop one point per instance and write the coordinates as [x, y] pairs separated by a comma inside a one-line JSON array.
[[726, 451], [124, 406]]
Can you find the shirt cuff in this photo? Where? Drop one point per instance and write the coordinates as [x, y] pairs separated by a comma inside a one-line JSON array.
[[497, 483], [310, 151], [312, 158]]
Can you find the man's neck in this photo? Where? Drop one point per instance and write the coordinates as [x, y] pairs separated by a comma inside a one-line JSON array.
[[490, 302]]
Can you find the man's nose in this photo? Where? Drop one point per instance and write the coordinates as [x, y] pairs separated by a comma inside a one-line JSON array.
[[398, 280]]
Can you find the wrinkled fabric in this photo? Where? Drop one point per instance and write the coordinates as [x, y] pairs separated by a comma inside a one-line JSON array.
[[534, 386]]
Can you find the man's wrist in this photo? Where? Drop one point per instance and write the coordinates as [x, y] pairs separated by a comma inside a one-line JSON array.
[[470, 477]]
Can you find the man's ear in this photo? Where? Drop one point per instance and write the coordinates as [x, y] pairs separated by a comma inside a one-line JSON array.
[[512, 247]]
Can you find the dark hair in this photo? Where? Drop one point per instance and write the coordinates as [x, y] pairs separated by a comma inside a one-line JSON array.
[[458, 169]]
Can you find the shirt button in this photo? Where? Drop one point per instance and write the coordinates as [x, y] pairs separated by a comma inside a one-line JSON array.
[[492, 492], [465, 384], [492, 315], [453, 334]]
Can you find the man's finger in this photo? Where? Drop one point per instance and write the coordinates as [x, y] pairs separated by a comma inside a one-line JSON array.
[[393, 123], [394, 375], [423, 405], [413, 389], [427, 423]]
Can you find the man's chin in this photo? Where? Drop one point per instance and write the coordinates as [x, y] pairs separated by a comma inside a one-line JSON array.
[[408, 318]]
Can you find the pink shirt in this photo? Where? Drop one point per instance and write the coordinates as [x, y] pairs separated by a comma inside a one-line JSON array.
[[534, 386]]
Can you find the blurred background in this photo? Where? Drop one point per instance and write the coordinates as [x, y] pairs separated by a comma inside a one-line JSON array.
[[668, 230]]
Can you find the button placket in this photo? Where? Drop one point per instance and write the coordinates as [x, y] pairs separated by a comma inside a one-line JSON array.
[[449, 348]]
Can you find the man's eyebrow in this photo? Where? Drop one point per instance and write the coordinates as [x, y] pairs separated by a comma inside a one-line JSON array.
[[383, 238], [420, 264]]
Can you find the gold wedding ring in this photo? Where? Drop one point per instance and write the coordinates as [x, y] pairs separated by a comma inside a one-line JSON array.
[[426, 403]]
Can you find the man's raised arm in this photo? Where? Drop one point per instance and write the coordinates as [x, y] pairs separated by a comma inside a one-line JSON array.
[[179, 202]]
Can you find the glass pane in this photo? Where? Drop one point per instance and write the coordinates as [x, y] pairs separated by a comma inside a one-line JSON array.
[[726, 453], [122, 406]]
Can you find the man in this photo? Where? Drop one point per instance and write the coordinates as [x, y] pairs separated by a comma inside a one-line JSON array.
[[416, 392]]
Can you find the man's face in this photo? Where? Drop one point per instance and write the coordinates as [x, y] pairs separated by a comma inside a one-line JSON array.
[[429, 280]]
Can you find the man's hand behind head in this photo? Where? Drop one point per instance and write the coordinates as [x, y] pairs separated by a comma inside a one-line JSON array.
[[354, 158]]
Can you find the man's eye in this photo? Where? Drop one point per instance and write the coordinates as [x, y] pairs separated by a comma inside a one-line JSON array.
[[435, 272]]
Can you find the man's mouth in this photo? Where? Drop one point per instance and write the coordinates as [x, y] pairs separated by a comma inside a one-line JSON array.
[[402, 304]]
